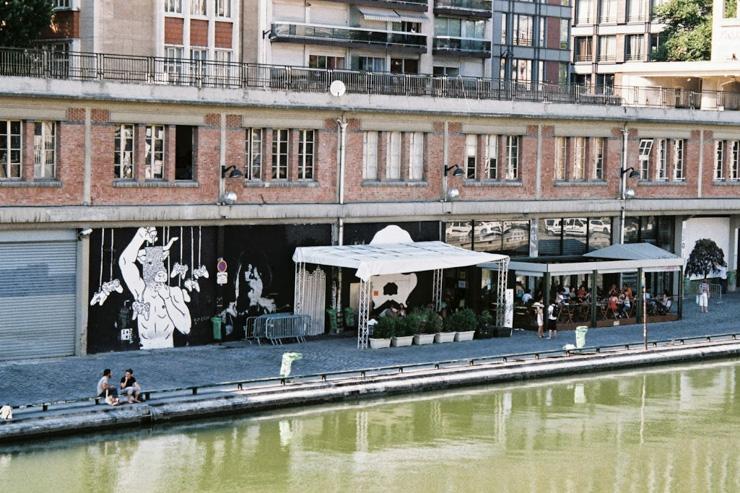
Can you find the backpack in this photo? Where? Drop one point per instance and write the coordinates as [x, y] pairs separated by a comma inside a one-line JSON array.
[[556, 310]]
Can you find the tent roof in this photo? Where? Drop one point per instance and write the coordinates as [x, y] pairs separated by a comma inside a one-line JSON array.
[[632, 251], [393, 258], [613, 259]]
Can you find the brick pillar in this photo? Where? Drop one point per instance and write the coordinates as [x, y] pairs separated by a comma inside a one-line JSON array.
[[481, 158], [27, 155], [293, 136], [140, 153], [169, 153], [382, 154], [405, 155], [267, 155]]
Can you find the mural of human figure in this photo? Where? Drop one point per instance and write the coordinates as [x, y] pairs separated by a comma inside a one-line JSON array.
[[158, 307]]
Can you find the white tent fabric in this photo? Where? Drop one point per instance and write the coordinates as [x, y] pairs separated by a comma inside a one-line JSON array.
[[388, 15], [632, 251], [373, 260]]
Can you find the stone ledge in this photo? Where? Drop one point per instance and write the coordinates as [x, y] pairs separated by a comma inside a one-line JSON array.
[[584, 183], [282, 184], [394, 183], [30, 184], [492, 183], [155, 184]]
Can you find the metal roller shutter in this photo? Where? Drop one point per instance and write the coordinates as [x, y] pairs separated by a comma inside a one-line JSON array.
[[37, 299]]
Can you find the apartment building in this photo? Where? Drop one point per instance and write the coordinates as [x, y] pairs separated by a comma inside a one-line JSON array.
[[610, 35], [531, 41]]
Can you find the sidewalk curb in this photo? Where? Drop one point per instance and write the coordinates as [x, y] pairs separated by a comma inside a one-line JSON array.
[[299, 394]]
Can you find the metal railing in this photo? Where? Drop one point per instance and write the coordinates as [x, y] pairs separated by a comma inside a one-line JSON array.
[[481, 5], [342, 34], [365, 373], [477, 47], [47, 64]]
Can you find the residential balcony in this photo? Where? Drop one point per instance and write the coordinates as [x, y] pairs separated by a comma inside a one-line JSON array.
[[354, 37], [478, 9], [583, 57], [415, 5], [449, 45], [19, 66]]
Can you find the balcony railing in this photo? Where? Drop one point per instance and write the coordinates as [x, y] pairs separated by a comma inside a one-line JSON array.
[[481, 9], [418, 5], [44, 64], [283, 31], [461, 46], [583, 57]]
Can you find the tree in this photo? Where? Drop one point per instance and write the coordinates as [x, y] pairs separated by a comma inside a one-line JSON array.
[[705, 258], [22, 21], [688, 32]]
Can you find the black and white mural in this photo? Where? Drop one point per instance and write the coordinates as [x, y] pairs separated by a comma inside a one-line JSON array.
[[158, 287]]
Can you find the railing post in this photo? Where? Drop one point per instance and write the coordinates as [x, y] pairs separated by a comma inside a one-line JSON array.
[[100, 72]]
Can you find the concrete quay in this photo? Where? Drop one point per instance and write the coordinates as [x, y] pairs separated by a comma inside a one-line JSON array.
[[259, 398]]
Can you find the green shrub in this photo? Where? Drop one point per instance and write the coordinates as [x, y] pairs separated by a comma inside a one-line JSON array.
[[485, 318], [385, 328], [430, 321], [461, 321], [409, 325]]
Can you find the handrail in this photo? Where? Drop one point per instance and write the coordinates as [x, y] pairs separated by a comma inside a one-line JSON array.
[[384, 370], [86, 66]]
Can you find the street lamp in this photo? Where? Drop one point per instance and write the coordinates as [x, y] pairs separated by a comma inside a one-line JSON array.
[[452, 193], [624, 192], [224, 197]]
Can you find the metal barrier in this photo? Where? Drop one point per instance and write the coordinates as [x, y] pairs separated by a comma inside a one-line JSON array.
[[277, 326], [70, 65]]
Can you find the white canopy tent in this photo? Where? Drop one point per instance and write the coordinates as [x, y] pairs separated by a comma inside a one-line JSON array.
[[390, 258]]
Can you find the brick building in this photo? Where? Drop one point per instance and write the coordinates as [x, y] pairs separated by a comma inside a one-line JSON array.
[[117, 175]]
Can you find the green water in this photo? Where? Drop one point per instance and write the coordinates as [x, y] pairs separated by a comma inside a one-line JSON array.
[[667, 429]]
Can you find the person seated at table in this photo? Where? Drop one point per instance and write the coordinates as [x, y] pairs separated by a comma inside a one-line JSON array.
[[573, 295], [613, 305], [582, 292], [628, 292], [527, 296], [624, 306], [613, 290], [663, 303]]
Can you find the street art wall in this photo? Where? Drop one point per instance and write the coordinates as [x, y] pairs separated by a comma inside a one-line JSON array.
[[158, 287]]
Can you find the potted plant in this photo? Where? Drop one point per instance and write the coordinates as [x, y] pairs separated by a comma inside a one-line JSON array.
[[406, 327], [382, 333], [462, 320], [431, 323], [487, 327]]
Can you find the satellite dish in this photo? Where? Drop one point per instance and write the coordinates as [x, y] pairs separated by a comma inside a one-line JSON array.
[[337, 88]]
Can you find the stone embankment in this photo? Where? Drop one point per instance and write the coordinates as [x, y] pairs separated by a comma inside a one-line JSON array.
[[86, 417]]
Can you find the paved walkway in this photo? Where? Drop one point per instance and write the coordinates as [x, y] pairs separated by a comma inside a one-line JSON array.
[[33, 381]]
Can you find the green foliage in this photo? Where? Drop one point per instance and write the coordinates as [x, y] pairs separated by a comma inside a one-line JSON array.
[[705, 258], [688, 33], [462, 320], [22, 21], [409, 325], [385, 328], [430, 321], [485, 318], [730, 9]]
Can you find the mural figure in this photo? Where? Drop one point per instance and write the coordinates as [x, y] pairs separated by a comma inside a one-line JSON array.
[[254, 281], [106, 288], [393, 289], [158, 307]]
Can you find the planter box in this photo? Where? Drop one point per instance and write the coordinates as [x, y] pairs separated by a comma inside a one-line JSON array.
[[422, 339], [464, 336], [493, 331], [402, 341], [442, 337], [380, 343]]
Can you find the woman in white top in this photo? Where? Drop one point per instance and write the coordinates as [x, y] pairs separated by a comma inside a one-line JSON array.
[[704, 296]]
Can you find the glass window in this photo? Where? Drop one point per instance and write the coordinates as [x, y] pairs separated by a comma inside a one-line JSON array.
[[459, 233], [306, 149], [599, 233], [561, 157], [583, 11], [197, 7], [637, 10], [646, 146], [488, 236], [608, 11], [583, 49], [631, 229], [492, 157], [541, 37], [633, 47], [523, 27], [563, 73], [719, 159], [521, 71], [368, 64], [575, 233], [662, 160], [370, 156], [223, 8], [564, 34], [471, 152], [666, 233], [516, 238], [154, 144], [679, 148], [186, 142], [439, 71], [44, 150], [326, 62], [404, 66], [598, 144], [549, 235], [512, 157], [280, 154], [648, 230], [607, 48], [416, 156], [734, 165], [254, 154], [173, 6], [123, 159], [579, 158], [504, 28], [173, 62], [393, 160]]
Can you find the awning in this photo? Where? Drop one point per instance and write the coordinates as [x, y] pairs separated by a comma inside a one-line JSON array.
[[393, 258], [632, 251], [390, 15]]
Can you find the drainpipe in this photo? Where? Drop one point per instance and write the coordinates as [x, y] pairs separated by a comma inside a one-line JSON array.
[[342, 152]]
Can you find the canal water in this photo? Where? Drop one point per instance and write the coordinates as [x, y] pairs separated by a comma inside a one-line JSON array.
[[666, 429]]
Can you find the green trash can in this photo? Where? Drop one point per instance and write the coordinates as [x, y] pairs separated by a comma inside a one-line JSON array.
[[333, 325], [216, 323], [349, 317]]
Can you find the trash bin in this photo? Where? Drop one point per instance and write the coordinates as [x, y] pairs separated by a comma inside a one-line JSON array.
[[331, 313], [216, 323], [349, 317], [581, 331]]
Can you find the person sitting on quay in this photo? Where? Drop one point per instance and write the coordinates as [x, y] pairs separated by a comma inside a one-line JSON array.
[[130, 387], [107, 390], [527, 296]]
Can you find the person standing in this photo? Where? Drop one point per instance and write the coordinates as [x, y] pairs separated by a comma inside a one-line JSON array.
[[704, 296], [106, 389], [130, 387], [552, 320], [538, 307]]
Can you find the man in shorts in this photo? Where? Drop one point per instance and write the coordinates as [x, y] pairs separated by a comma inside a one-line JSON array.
[[130, 387], [106, 389]]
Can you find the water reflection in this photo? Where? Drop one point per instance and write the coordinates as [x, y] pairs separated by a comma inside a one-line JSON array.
[[657, 430]]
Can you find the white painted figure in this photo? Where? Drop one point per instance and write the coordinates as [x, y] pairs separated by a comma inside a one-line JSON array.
[[159, 308], [254, 281]]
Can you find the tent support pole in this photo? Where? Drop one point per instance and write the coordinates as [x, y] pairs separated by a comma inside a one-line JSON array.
[[594, 298], [437, 289], [679, 301], [503, 272], [363, 332], [298, 291]]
